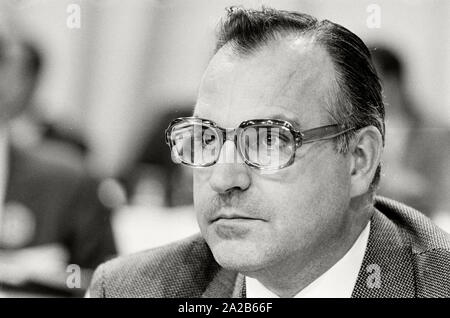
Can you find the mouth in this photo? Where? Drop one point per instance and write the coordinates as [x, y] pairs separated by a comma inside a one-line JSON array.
[[233, 226], [233, 217]]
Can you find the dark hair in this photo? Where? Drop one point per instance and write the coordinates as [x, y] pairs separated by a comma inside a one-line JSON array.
[[357, 91]]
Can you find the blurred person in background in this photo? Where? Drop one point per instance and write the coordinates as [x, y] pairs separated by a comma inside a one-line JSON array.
[[286, 142], [50, 215], [155, 179], [417, 152], [159, 192]]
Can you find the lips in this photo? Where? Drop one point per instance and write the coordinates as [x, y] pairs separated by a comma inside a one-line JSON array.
[[233, 216], [229, 223], [234, 219]]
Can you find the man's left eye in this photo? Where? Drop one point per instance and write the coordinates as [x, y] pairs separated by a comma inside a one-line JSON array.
[[278, 139], [273, 140]]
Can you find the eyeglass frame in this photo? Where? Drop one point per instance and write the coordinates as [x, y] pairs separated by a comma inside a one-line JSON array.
[[301, 137]]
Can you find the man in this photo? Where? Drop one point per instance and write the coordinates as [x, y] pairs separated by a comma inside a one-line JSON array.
[[285, 203], [50, 215]]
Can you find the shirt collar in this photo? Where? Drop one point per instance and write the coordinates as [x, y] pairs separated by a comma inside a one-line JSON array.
[[336, 282]]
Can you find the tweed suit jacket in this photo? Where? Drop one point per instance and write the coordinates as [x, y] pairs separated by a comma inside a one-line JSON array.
[[406, 256]]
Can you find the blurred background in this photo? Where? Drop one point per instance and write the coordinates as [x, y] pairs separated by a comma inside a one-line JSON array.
[[106, 77]]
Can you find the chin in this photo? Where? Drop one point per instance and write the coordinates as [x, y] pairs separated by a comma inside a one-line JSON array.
[[238, 255]]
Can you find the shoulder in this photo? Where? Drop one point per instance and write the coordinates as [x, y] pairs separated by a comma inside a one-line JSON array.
[[429, 246], [423, 235], [180, 269]]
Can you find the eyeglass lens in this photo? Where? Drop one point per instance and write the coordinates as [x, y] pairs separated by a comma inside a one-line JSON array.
[[265, 146]]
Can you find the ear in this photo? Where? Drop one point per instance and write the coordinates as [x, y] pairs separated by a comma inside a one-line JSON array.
[[365, 156]]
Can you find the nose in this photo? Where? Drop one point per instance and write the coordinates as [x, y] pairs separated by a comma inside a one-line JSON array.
[[229, 173]]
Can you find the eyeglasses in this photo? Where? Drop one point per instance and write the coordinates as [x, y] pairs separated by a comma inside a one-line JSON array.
[[266, 144]]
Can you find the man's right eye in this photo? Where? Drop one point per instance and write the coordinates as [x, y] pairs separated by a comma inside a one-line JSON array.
[[208, 138]]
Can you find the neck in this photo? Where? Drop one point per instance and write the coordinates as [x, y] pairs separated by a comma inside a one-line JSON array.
[[288, 277]]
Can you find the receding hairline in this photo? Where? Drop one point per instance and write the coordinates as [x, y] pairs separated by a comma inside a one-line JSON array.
[[233, 49], [273, 36]]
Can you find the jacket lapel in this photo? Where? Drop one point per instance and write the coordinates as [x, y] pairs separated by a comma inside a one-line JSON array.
[[387, 269], [226, 284]]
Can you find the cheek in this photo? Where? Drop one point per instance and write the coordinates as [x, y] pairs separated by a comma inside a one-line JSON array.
[[313, 175], [322, 172], [202, 195], [311, 197], [200, 185]]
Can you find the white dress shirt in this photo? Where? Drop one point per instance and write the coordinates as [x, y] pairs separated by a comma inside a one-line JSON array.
[[336, 282]]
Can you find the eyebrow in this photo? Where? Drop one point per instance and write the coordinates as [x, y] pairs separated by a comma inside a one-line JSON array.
[[279, 116]]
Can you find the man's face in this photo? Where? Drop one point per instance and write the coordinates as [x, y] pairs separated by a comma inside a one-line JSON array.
[[252, 220]]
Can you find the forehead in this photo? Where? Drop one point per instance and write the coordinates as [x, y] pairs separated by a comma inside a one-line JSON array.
[[290, 78]]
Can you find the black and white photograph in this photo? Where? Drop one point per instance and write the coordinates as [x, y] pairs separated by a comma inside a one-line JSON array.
[[262, 149]]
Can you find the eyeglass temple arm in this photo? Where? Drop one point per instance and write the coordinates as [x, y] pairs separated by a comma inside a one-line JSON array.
[[322, 133]]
